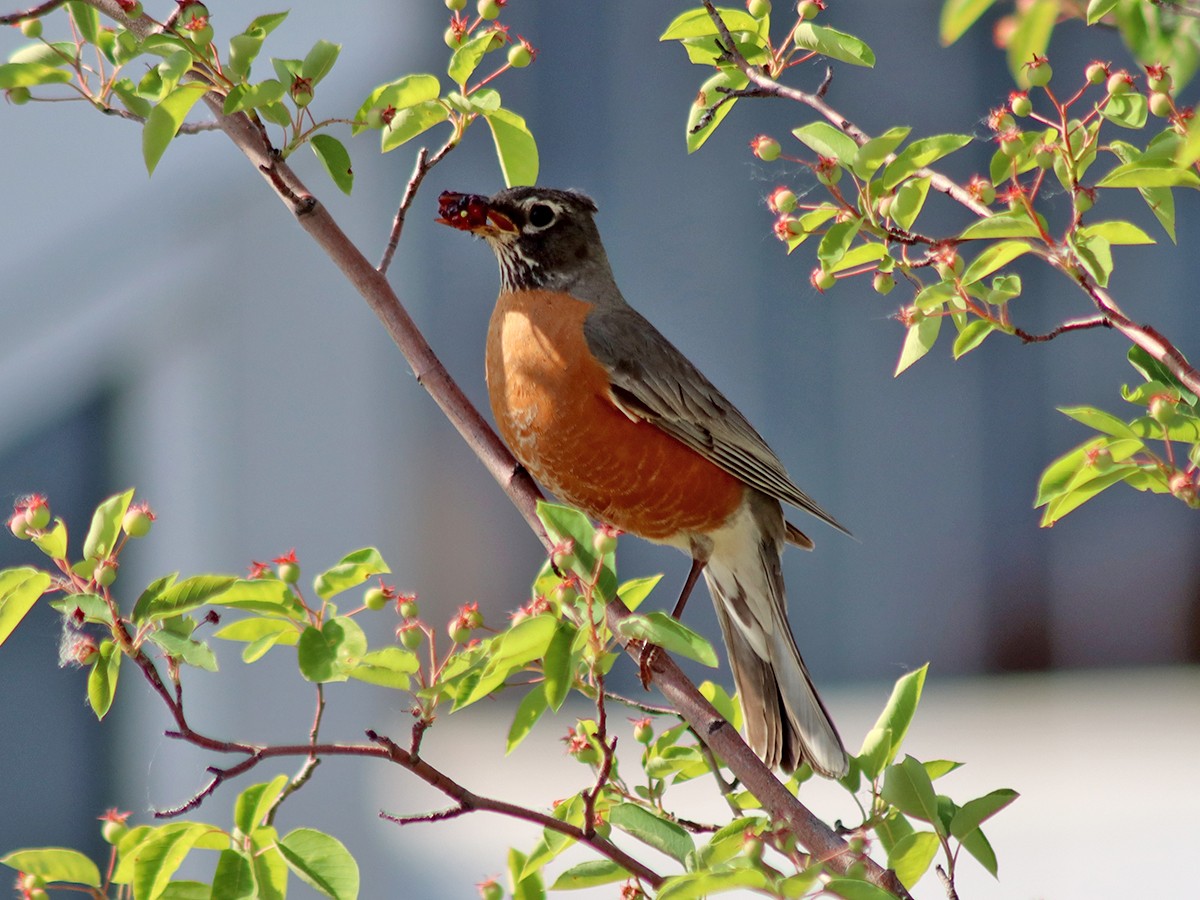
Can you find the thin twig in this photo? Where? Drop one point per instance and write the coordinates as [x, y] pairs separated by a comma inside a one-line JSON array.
[[32, 13], [1070, 325], [425, 162]]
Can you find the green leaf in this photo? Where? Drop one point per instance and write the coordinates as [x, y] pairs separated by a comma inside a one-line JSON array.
[[918, 340], [181, 646], [319, 61], [157, 858], [353, 570], [559, 665], [1117, 232], [287, 70], [185, 596], [670, 634], [837, 240], [102, 536], [321, 861], [898, 714], [869, 252], [975, 812], [871, 155], [270, 868], [30, 75], [1011, 224], [994, 257], [389, 667], [263, 595], [920, 154], [1098, 9], [977, 845], [529, 710], [20, 589], [324, 655], [849, 888], [833, 44], [1127, 110], [711, 93], [515, 147], [906, 786], [825, 140], [412, 121], [514, 649], [697, 23], [1095, 255], [911, 856], [1031, 37], [654, 831], [634, 591], [592, 873], [243, 50], [563, 523], [253, 96], [972, 336], [527, 888], [233, 879], [1153, 370], [333, 156], [55, 864], [876, 752], [1099, 420], [86, 20], [467, 57], [164, 123], [253, 804], [400, 94], [698, 885], [958, 16], [910, 199], [1149, 173], [102, 680]]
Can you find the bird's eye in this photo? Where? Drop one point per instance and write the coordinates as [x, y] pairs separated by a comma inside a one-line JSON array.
[[540, 215]]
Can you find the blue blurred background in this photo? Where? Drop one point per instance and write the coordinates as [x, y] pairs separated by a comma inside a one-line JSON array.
[[182, 335]]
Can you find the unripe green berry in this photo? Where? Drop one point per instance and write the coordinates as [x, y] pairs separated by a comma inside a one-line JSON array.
[[137, 521], [1161, 105], [782, 201], [106, 573], [1011, 143], [37, 514], [519, 56], [766, 148], [807, 9], [604, 541], [488, 9], [829, 175], [459, 632], [1159, 79], [1044, 156], [454, 37], [1039, 72], [1020, 104], [1096, 73], [883, 282], [31, 28], [19, 526], [289, 572], [1118, 83], [490, 890], [760, 9], [112, 831], [375, 598], [456, 5], [823, 279], [1083, 201], [18, 96], [643, 731], [411, 635]]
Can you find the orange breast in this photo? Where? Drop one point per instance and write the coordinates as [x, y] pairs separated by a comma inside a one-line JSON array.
[[550, 399]]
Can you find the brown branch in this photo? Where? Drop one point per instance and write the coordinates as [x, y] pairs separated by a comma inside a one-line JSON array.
[[32, 13], [470, 802], [1070, 325]]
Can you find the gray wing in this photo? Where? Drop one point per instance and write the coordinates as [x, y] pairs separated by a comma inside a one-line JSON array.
[[651, 380]]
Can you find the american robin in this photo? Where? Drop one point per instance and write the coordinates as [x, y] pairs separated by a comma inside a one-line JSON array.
[[608, 415]]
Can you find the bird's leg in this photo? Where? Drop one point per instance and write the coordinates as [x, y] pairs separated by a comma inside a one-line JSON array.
[[646, 659]]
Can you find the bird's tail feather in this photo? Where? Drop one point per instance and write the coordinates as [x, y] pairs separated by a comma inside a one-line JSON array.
[[785, 721]]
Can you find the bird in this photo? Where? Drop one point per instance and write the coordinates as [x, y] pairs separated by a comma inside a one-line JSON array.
[[609, 416]]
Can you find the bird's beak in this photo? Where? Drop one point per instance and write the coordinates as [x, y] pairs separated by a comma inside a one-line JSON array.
[[473, 212]]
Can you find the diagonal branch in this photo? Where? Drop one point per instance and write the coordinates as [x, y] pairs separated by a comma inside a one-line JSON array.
[[32, 13]]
